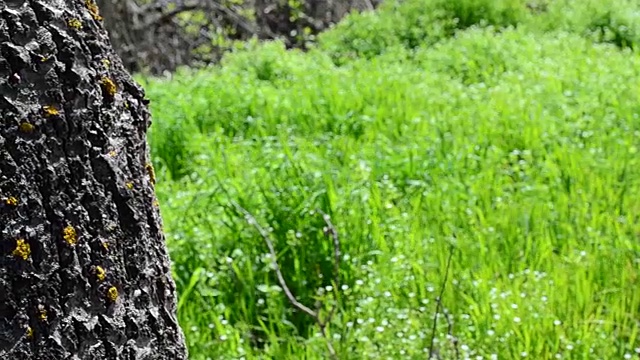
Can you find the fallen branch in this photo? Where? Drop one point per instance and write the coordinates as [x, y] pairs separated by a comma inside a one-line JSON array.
[[322, 323], [439, 303]]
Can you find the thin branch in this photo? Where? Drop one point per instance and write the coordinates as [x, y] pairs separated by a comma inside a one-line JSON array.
[[454, 340], [322, 323], [283, 284], [173, 13], [237, 18], [439, 302], [333, 232]]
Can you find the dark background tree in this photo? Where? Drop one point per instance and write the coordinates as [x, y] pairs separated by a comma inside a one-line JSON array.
[[160, 35], [84, 271]]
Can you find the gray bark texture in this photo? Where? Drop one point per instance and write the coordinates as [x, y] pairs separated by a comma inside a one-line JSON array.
[[84, 269]]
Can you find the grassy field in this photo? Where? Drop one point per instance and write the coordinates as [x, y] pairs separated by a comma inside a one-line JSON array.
[[502, 135]]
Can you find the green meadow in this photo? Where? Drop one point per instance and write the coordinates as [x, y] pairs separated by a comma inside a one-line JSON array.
[[502, 135]]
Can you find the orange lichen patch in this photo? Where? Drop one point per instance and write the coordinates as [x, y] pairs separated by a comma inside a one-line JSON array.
[[12, 201], [106, 63], [29, 333], [75, 23], [93, 9], [151, 172], [108, 85], [23, 249], [50, 110], [129, 185], [112, 294], [70, 236], [27, 128], [155, 203], [105, 245], [113, 153], [101, 273]]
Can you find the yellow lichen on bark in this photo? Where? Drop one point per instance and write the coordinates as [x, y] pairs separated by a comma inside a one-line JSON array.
[[42, 313], [22, 249], [75, 23], [50, 110], [93, 9], [69, 234], [27, 128], [101, 273], [112, 294], [152, 173], [109, 86]]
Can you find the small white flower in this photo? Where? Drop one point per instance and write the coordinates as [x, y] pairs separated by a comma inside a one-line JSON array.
[[514, 306], [523, 354], [557, 322], [516, 319], [379, 329], [491, 332]]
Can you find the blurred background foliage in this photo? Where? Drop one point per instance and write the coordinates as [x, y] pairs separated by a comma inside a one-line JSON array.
[[161, 35]]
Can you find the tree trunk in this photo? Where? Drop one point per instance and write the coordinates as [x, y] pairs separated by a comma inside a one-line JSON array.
[[84, 271]]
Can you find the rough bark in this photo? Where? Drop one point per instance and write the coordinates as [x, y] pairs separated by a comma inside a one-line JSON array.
[[84, 271]]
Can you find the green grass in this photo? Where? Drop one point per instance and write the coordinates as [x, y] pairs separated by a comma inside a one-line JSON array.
[[515, 142]]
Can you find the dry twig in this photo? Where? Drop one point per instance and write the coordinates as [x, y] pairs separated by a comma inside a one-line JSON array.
[[439, 304], [322, 322]]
